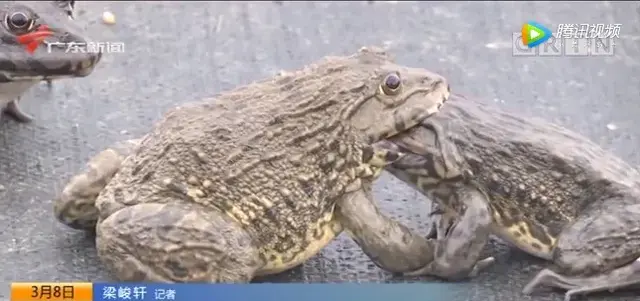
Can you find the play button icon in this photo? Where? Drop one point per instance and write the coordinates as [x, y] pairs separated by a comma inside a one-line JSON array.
[[534, 34]]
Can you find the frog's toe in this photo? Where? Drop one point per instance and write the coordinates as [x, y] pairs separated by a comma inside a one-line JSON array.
[[481, 265], [622, 277], [374, 159], [452, 271], [550, 278], [381, 154], [14, 111], [546, 277]]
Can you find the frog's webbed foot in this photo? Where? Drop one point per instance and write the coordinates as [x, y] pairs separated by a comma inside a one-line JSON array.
[[379, 155], [374, 159], [75, 206], [13, 110], [430, 270], [460, 238], [622, 277]]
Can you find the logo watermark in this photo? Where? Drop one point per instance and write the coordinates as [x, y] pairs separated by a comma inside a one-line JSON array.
[[32, 40], [571, 40], [90, 47]]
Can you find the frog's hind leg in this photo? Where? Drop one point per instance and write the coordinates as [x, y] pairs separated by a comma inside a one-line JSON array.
[[75, 206], [599, 252], [176, 242], [14, 111]]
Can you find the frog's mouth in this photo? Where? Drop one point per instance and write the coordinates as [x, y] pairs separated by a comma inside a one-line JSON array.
[[6, 77], [46, 66]]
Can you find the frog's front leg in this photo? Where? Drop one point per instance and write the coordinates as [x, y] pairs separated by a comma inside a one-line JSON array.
[[389, 244], [461, 236], [600, 251]]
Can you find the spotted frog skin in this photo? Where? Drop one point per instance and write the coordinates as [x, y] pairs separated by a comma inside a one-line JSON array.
[[546, 190], [19, 69], [258, 179]]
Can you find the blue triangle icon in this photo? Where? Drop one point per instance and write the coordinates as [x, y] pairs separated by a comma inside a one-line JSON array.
[[534, 34]]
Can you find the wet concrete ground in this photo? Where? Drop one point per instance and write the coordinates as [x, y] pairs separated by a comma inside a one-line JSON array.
[[179, 52]]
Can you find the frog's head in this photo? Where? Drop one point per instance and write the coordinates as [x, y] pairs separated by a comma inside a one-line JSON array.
[[382, 98], [39, 40]]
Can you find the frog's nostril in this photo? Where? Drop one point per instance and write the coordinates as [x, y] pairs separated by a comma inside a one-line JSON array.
[[66, 38], [69, 38]]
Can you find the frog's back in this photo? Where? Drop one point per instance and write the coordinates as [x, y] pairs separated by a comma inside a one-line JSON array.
[[238, 144], [238, 153], [533, 166]]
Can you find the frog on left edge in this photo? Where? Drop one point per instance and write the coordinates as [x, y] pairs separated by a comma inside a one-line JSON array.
[[25, 57]]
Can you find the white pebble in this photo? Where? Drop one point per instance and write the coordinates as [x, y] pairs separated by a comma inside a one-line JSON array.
[[108, 18], [612, 127]]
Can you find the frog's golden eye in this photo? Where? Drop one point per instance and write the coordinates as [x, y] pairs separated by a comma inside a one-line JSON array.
[[392, 84], [19, 22]]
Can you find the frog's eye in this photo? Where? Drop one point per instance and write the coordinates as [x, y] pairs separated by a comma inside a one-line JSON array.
[[391, 84], [20, 22]]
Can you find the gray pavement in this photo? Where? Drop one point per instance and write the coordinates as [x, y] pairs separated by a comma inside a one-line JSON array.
[[179, 52]]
